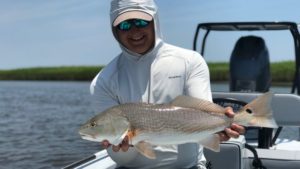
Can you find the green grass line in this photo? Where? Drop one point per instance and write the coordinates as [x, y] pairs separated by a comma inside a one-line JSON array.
[[280, 72], [65, 73]]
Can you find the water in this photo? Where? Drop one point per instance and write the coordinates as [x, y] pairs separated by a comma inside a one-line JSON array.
[[39, 123]]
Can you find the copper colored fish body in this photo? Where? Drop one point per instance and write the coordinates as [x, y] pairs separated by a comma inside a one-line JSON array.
[[184, 120]]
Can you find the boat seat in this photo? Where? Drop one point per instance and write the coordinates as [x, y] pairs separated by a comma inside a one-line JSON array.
[[275, 159], [230, 155], [234, 155]]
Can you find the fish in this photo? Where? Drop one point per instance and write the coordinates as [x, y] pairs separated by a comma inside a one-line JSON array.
[[184, 120]]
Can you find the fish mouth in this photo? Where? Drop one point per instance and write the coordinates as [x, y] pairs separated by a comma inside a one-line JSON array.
[[84, 136], [88, 137]]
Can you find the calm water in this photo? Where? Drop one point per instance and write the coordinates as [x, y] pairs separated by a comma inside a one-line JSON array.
[[39, 123]]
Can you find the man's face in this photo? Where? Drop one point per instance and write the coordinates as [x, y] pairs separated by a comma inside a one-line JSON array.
[[139, 40]]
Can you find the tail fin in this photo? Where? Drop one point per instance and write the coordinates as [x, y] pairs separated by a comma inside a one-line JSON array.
[[257, 113]]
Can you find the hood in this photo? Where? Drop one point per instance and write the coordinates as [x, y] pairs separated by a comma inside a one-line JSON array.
[[148, 6]]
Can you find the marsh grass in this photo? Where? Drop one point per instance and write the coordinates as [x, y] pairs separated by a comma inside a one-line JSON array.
[[72, 73], [281, 72], [219, 71]]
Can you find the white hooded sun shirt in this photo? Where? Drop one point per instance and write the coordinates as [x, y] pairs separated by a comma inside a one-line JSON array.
[[158, 77]]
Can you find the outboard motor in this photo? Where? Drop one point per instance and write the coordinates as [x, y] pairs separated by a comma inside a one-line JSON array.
[[250, 65], [250, 72]]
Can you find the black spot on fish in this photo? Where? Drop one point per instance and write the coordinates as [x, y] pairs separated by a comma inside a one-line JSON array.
[[93, 124], [249, 111]]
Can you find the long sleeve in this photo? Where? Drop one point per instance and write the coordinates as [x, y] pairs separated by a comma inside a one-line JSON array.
[[198, 79], [102, 96]]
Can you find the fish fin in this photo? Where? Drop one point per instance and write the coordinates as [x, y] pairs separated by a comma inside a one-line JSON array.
[[257, 113], [145, 149], [122, 127], [196, 103], [212, 142], [120, 139]]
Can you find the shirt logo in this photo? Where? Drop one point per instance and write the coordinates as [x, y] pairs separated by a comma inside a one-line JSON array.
[[174, 77]]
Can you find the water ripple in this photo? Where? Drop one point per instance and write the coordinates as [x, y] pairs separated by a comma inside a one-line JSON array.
[[41, 121]]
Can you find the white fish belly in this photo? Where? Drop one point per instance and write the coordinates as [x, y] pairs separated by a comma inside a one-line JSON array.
[[167, 138]]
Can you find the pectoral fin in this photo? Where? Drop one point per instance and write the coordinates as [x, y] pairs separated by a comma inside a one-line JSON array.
[[121, 128], [120, 139], [212, 142], [145, 149]]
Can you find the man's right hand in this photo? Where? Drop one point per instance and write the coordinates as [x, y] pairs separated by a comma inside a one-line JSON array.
[[124, 146]]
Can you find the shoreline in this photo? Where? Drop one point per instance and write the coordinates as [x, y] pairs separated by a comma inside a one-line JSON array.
[[282, 73]]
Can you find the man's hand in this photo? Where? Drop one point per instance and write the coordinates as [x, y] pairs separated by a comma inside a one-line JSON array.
[[234, 130], [124, 146]]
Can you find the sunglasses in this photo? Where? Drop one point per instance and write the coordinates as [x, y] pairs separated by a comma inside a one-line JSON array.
[[127, 25]]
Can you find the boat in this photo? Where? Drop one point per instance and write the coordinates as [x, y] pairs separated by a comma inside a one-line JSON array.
[[266, 150]]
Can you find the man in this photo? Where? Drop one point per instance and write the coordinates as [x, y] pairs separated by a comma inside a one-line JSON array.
[[152, 71]]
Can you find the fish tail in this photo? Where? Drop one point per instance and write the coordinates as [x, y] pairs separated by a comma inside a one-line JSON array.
[[257, 113]]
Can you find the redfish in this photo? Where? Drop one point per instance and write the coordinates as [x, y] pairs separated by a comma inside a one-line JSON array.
[[184, 120]]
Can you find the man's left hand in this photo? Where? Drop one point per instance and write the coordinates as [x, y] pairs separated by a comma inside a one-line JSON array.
[[234, 130]]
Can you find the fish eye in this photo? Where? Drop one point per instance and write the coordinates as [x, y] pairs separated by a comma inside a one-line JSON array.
[[93, 124], [249, 111]]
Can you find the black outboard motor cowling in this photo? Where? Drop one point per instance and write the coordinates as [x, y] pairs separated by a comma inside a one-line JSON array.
[[250, 65], [250, 72]]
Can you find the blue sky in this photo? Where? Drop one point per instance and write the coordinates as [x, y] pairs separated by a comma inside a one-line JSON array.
[[36, 33]]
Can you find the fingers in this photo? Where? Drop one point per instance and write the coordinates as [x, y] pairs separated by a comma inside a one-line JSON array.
[[234, 131], [227, 134], [238, 128], [231, 133], [124, 146], [116, 148], [105, 144], [223, 136], [229, 112]]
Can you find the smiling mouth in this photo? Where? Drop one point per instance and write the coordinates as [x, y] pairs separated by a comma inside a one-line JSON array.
[[138, 38], [138, 41]]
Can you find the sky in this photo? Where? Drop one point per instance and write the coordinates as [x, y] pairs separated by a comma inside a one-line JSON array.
[[35, 33]]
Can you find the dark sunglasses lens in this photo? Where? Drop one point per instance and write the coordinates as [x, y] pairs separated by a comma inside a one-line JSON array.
[[141, 23], [124, 26]]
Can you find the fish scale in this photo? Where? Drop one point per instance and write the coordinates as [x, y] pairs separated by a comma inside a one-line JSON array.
[[172, 118]]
